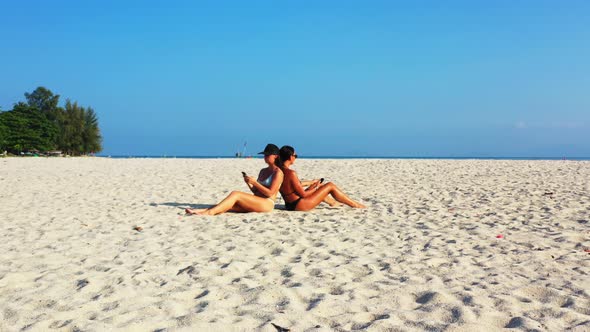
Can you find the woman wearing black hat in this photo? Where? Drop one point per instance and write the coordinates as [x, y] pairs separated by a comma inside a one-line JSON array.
[[299, 199], [264, 190]]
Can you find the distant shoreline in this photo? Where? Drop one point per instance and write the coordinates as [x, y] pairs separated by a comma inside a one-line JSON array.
[[317, 157], [355, 157]]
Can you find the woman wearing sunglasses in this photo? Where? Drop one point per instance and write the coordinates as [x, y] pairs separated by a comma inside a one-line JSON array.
[[299, 199], [264, 190]]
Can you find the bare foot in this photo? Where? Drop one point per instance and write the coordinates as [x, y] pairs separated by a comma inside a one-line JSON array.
[[334, 204], [194, 211], [204, 212], [359, 206]]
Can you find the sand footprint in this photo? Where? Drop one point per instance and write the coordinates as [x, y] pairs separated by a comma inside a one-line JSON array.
[[314, 301], [58, 324]]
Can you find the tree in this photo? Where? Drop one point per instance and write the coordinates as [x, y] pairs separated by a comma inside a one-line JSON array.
[[80, 133], [91, 138], [72, 128], [27, 129], [44, 100], [42, 125], [3, 135]]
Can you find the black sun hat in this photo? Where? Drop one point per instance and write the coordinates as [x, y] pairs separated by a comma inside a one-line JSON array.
[[270, 149]]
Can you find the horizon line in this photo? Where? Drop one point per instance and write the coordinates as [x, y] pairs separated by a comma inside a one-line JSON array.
[[350, 157]]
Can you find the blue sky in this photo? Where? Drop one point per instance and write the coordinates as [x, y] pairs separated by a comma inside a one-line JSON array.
[[331, 78]]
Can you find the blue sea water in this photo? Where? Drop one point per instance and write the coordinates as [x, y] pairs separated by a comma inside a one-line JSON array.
[[360, 157]]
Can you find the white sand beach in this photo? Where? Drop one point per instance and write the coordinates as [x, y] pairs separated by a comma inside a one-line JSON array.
[[453, 245]]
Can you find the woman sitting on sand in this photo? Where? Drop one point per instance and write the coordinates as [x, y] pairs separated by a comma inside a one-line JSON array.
[[299, 199], [264, 190]]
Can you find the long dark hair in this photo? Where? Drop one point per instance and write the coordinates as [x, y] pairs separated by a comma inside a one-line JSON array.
[[285, 154]]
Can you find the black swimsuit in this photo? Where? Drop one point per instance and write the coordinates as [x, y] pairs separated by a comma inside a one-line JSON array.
[[292, 205]]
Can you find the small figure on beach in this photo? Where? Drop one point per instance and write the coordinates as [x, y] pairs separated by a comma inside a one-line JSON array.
[[264, 189], [299, 199]]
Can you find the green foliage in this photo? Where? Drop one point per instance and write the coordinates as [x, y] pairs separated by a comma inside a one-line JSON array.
[[27, 129], [44, 100], [80, 133], [40, 124], [3, 135], [91, 134], [72, 126]]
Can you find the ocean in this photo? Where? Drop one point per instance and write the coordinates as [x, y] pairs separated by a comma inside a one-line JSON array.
[[355, 157]]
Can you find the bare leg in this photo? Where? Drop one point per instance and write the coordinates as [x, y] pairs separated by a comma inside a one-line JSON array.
[[319, 195], [239, 202], [238, 209], [329, 200], [235, 208]]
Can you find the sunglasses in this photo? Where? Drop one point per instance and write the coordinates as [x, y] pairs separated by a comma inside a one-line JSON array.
[[295, 156]]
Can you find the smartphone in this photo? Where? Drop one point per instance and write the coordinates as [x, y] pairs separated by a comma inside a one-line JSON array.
[[244, 174], [321, 180]]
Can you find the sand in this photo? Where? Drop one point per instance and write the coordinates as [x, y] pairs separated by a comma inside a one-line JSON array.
[[454, 245]]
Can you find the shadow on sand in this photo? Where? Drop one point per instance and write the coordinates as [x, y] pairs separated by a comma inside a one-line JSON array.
[[183, 206]]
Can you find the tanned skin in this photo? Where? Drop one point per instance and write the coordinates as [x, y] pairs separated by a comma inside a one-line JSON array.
[[292, 189], [258, 201]]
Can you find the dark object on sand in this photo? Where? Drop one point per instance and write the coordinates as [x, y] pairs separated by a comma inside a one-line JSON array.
[[547, 193], [203, 293], [82, 283], [280, 329], [138, 228], [189, 270]]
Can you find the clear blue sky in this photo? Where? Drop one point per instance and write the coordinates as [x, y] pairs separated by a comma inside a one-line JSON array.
[[331, 78]]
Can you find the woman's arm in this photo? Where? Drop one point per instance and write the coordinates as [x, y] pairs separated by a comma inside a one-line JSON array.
[[251, 186], [311, 185], [307, 183], [275, 185], [298, 187]]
